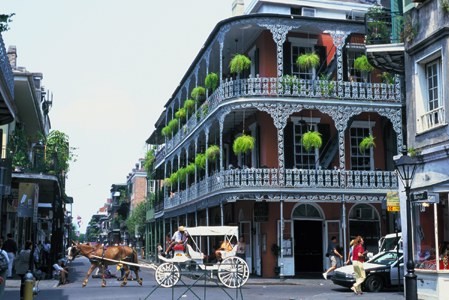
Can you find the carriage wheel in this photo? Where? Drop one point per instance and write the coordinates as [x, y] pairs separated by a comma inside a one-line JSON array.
[[233, 272], [167, 274]]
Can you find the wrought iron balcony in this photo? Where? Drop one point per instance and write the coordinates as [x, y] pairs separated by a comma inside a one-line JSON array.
[[5, 68], [266, 179], [287, 87]]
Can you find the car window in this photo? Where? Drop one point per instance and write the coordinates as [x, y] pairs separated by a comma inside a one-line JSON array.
[[387, 258]]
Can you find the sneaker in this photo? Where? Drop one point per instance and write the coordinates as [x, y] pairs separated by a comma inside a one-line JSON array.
[[325, 276]]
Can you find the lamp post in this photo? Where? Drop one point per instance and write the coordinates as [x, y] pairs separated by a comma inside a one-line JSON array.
[[406, 167]]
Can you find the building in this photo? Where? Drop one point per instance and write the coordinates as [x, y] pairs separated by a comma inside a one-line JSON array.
[[288, 199]]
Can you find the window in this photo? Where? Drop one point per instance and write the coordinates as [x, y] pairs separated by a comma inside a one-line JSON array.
[[304, 159], [361, 161], [297, 71], [429, 91], [353, 74]]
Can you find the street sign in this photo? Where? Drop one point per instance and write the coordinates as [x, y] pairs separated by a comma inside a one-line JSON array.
[[419, 196]]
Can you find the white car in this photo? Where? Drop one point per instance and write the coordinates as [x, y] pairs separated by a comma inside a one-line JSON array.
[[381, 271]]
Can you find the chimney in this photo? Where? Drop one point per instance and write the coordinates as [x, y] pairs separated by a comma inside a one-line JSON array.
[[238, 7], [12, 56]]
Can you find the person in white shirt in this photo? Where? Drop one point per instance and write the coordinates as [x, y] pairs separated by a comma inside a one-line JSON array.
[[179, 237]]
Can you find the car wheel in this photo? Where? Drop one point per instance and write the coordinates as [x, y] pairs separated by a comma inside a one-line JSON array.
[[374, 284]]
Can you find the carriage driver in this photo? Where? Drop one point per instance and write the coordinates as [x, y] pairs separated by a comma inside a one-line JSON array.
[[179, 237]]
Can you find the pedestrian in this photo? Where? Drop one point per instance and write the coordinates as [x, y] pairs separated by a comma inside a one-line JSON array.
[[351, 249], [241, 248], [22, 264], [10, 246], [46, 248], [4, 264], [332, 254], [358, 257]]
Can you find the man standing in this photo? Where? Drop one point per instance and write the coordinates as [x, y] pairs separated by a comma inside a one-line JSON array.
[[10, 246], [332, 253]]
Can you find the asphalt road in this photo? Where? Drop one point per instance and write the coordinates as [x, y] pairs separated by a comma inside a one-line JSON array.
[[188, 288]]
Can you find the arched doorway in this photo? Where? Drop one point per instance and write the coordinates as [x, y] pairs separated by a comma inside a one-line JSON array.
[[364, 221], [308, 233]]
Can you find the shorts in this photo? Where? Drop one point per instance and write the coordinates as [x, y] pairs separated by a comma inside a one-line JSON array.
[[333, 260]]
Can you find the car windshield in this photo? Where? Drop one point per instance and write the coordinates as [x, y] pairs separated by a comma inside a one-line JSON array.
[[387, 258], [389, 244]]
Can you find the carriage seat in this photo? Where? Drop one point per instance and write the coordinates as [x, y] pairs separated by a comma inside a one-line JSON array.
[[178, 247], [194, 254], [225, 254]]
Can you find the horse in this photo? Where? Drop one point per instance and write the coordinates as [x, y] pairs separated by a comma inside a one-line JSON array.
[[101, 256]]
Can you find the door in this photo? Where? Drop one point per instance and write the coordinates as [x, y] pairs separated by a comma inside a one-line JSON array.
[[245, 231], [288, 260], [256, 250], [308, 245]]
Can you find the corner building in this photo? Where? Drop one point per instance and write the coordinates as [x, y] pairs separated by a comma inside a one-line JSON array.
[[287, 201]]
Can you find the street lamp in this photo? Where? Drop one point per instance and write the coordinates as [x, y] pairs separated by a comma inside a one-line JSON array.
[[406, 167]]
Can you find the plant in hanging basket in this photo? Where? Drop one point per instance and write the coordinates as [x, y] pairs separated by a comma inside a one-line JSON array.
[[190, 168], [182, 173], [200, 160], [174, 178], [311, 139], [173, 124], [309, 60], [189, 105], [243, 144], [211, 81], [198, 93], [366, 143], [362, 64], [181, 113], [239, 63], [212, 152], [166, 131]]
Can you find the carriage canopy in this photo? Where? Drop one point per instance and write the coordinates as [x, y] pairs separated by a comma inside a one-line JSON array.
[[213, 231]]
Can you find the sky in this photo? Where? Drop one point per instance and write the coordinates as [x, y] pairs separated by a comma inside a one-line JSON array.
[[111, 66]]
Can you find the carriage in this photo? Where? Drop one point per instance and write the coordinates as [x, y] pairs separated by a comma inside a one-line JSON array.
[[231, 270]]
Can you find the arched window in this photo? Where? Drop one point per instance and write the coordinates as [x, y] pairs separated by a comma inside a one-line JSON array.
[[306, 211]]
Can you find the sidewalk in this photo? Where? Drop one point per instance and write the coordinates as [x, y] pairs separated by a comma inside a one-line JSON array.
[[15, 283]]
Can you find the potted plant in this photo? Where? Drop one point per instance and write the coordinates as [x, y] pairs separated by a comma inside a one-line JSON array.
[[182, 173], [181, 113], [366, 143], [198, 93], [311, 139], [189, 105], [362, 64], [200, 160], [173, 178], [212, 152], [190, 168], [211, 81], [166, 131], [239, 63], [173, 124], [243, 144], [309, 60]]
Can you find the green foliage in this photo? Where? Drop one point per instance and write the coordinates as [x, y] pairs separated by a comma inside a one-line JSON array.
[[137, 219], [366, 143], [174, 178], [362, 64], [445, 5], [189, 105], [243, 144], [149, 160], [211, 81], [239, 63], [173, 124], [166, 131], [4, 22], [309, 60], [326, 85], [190, 168], [386, 77], [200, 160], [58, 152], [198, 93], [182, 174], [181, 113], [288, 81], [212, 152], [311, 139], [18, 148]]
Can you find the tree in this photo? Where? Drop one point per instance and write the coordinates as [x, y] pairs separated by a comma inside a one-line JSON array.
[[137, 218], [4, 21]]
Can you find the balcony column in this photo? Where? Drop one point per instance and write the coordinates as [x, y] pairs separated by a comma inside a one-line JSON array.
[[206, 176], [221, 36], [339, 38], [207, 59], [196, 168], [179, 165], [221, 123], [279, 32], [187, 175], [221, 214]]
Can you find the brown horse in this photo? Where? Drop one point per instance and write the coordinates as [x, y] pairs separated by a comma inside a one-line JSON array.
[[100, 257]]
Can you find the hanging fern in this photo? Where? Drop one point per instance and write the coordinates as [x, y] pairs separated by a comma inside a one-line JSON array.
[[211, 81], [213, 152], [173, 124], [200, 160], [174, 178], [189, 105], [167, 182], [239, 63], [198, 93], [166, 131], [182, 174], [308, 60], [181, 113], [366, 143], [243, 144], [311, 139], [190, 168]]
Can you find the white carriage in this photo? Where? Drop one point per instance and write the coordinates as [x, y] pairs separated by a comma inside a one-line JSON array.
[[232, 271]]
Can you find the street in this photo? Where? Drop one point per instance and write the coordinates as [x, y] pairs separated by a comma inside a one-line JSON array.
[[255, 288]]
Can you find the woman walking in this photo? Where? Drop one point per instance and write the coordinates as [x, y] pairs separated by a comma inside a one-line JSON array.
[[358, 257]]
